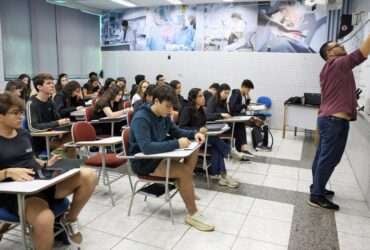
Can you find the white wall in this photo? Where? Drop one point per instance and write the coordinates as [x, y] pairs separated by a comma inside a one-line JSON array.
[[277, 75], [360, 5]]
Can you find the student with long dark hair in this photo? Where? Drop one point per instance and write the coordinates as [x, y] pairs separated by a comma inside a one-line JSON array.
[[109, 82], [18, 163], [69, 99], [194, 117], [176, 85], [217, 109], [110, 105], [26, 93], [61, 82]]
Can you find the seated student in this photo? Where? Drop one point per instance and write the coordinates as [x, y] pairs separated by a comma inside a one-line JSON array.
[[138, 79], [121, 83], [143, 85], [26, 93], [61, 82], [152, 132], [217, 109], [148, 98], [109, 105], [176, 85], [69, 99], [160, 80], [109, 82], [91, 88], [15, 87], [18, 163], [41, 112], [212, 90], [194, 117]]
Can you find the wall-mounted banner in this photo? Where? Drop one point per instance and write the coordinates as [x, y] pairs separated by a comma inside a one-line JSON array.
[[276, 26]]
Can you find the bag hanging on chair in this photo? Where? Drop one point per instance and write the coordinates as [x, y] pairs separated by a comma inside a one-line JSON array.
[[260, 138]]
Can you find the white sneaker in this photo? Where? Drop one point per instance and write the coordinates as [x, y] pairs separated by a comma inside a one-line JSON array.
[[226, 181], [198, 221], [215, 177], [238, 155]]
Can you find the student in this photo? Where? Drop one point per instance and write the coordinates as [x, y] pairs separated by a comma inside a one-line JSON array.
[[41, 111], [69, 99], [212, 90], [143, 85], [176, 85], [121, 83], [138, 79], [160, 80], [107, 84], [61, 82], [26, 93], [15, 87], [152, 132], [217, 109], [147, 99], [194, 117], [91, 88], [109, 105], [240, 99], [18, 163]]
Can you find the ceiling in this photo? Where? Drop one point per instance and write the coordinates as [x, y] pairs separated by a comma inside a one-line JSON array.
[[100, 6]]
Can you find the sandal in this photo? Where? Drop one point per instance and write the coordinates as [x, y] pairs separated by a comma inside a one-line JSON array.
[[72, 231]]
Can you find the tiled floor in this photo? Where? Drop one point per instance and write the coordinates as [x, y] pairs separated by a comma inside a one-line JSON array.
[[243, 221]]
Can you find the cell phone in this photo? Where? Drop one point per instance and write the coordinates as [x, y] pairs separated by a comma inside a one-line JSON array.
[[48, 173]]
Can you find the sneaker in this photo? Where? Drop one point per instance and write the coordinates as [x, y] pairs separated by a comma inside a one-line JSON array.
[[238, 155], [321, 201], [228, 181], [72, 230], [198, 221], [248, 153], [232, 181], [215, 177]]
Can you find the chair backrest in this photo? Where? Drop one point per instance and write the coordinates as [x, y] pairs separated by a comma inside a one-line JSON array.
[[129, 117], [265, 100], [125, 138], [83, 131], [89, 111]]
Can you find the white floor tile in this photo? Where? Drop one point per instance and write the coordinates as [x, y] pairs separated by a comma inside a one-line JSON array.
[[305, 175], [91, 211], [225, 221], [347, 192], [196, 240], [232, 203], [206, 196], [355, 225], [97, 240], [268, 230], [250, 244], [133, 245], [249, 178], [283, 171], [139, 206], [255, 168], [351, 242], [159, 233], [281, 183], [352, 206], [304, 186], [117, 222], [272, 210]]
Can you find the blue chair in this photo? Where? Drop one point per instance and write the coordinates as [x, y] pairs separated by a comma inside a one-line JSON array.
[[58, 208], [265, 100]]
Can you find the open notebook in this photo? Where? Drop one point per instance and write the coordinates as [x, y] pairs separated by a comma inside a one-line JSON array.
[[192, 146]]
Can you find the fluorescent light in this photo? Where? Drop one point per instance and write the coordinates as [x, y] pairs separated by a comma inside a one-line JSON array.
[[228, 0], [124, 2], [175, 1]]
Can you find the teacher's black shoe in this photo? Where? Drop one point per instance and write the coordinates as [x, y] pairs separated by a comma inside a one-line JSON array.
[[321, 201], [327, 193]]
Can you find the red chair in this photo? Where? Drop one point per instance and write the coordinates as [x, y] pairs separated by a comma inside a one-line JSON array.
[[84, 135], [89, 111], [147, 179]]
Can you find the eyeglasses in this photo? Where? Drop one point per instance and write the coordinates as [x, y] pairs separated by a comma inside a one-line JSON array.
[[16, 112]]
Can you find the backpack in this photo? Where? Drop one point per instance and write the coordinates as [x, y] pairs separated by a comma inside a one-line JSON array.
[[260, 138]]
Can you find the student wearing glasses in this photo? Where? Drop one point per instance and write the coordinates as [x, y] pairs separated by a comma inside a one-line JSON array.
[[337, 109], [18, 163]]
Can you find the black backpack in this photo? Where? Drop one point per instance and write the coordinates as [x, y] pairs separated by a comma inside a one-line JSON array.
[[260, 138]]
